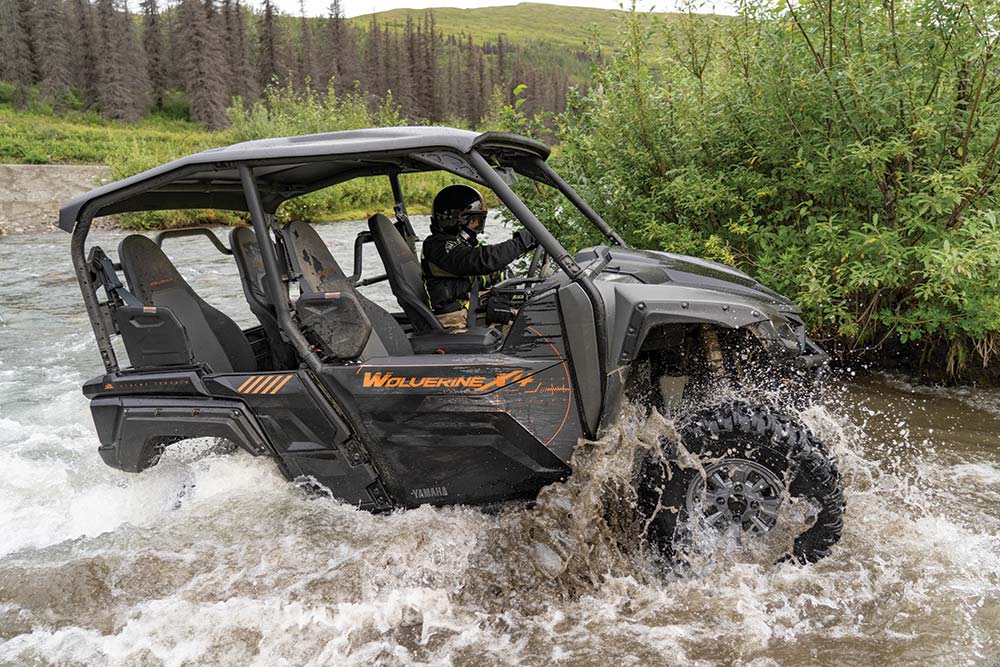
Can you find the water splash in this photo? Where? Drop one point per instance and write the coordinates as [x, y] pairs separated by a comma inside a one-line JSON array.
[[98, 567]]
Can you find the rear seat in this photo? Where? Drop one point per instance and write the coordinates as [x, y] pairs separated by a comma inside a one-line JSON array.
[[246, 253], [317, 271], [212, 338]]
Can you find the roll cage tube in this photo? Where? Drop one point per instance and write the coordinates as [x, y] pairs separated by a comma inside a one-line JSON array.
[[277, 293], [597, 221], [192, 231], [524, 214], [89, 291], [555, 250]]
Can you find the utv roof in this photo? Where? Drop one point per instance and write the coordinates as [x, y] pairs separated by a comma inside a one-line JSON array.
[[288, 167]]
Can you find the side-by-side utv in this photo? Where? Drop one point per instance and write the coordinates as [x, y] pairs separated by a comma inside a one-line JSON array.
[[388, 410]]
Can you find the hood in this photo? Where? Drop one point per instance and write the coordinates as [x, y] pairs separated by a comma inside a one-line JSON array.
[[660, 268]]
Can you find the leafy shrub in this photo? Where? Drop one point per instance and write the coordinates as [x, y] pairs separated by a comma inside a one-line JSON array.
[[843, 152], [285, 111]]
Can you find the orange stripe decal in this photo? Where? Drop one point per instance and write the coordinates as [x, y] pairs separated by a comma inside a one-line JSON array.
[[267, 386], [281, 384], [267, 379], [245, 383], [256, 381]]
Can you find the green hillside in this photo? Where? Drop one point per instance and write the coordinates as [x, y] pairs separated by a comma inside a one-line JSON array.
[[557, 25]]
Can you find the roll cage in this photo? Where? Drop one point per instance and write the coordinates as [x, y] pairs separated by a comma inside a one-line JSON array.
[[257, 177]]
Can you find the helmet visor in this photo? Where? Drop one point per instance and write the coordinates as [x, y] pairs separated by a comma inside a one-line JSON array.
[[474, 216]]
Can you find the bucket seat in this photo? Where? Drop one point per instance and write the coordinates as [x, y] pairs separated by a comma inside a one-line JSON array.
[[318, 271], [214, 339], [403, 269], [246, 253]]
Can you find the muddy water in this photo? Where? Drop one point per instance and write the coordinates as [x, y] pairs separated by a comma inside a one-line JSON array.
[[212, 558]]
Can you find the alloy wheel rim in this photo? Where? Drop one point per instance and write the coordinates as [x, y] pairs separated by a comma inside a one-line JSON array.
[[736, 493]]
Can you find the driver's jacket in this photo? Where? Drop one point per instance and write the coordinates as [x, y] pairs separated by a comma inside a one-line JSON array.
[[450, 262]]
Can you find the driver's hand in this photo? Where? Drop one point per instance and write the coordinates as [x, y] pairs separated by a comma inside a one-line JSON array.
[[527, 239]]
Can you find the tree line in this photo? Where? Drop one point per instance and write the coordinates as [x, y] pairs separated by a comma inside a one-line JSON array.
[[102, 55]]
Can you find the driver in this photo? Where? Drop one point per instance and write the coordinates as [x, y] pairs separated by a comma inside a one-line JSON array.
[[452, 257]]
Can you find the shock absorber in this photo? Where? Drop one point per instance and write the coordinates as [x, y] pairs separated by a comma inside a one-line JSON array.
[[713, 351]]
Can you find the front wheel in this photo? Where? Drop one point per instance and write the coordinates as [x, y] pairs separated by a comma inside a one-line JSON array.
[[733, 468]]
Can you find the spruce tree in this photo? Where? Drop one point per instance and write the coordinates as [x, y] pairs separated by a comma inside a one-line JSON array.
[[374, 61], [307, 70], [51, 49], [471, 82], [27, 18], [152, 44], [15, 52], [83, 65], [407, 63], [501, 66], [267, 49], [427, 78], [202, 65], [218, 56], [242, 82], [133, 57], [114, 94], [332, 47]]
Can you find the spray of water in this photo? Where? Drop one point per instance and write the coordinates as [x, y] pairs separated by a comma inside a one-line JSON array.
[[211, 558]]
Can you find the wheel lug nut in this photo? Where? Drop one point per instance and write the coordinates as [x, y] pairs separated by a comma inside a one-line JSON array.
[[720, 501], [755, 504]]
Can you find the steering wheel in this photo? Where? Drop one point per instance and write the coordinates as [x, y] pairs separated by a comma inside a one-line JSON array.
[[539, 263]]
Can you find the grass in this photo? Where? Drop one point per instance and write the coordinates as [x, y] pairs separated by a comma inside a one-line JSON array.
[[39, 137], [526, 23]]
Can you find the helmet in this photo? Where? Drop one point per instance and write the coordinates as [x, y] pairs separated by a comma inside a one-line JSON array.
[[459, 206]]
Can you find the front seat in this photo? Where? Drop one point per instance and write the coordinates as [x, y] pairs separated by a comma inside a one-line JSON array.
[[318, 271], [246, 252], [403, 269], [215, 340]]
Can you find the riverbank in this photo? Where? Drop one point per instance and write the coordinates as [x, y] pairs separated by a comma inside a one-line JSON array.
[[31, 195], [33, 139]]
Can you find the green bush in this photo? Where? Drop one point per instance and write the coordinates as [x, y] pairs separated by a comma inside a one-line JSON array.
[[843, 152], [284, 111]]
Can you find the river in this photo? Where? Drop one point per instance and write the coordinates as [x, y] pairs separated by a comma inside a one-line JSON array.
[[212, 558]]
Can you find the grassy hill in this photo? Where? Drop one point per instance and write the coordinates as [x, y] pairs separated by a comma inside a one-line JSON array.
[[556, 25]]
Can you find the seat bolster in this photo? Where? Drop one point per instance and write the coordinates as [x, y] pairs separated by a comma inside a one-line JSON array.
[[311, 258], [336, 322]]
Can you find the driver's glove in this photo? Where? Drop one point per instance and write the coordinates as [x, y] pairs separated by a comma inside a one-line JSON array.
[[527, 239]]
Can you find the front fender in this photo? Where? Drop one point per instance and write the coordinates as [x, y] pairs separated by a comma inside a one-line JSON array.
[[636, 309]]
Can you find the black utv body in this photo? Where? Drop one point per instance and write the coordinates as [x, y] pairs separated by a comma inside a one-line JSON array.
[[387, 410]]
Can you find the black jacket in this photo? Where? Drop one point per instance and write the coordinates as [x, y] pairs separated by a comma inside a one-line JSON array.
[[450, 262]]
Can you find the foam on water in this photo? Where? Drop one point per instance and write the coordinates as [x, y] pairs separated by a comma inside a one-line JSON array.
[[212, 558]]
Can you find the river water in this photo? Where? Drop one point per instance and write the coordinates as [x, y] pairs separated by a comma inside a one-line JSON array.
[[212, 558]]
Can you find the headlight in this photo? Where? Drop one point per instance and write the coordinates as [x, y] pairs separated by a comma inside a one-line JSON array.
[[779, 331]]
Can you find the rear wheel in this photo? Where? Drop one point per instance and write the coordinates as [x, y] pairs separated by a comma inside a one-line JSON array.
[[745, 462]]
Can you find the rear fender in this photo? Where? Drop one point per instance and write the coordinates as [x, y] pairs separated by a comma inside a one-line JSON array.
[[134, 430]]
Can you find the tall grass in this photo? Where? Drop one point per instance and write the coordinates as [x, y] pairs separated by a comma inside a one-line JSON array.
[[39, 137]]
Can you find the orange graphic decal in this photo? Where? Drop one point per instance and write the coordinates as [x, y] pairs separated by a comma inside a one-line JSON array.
[[478, 383], [264, 384]]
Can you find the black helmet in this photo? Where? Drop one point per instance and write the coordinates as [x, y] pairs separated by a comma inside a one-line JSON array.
[[459, 206]]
